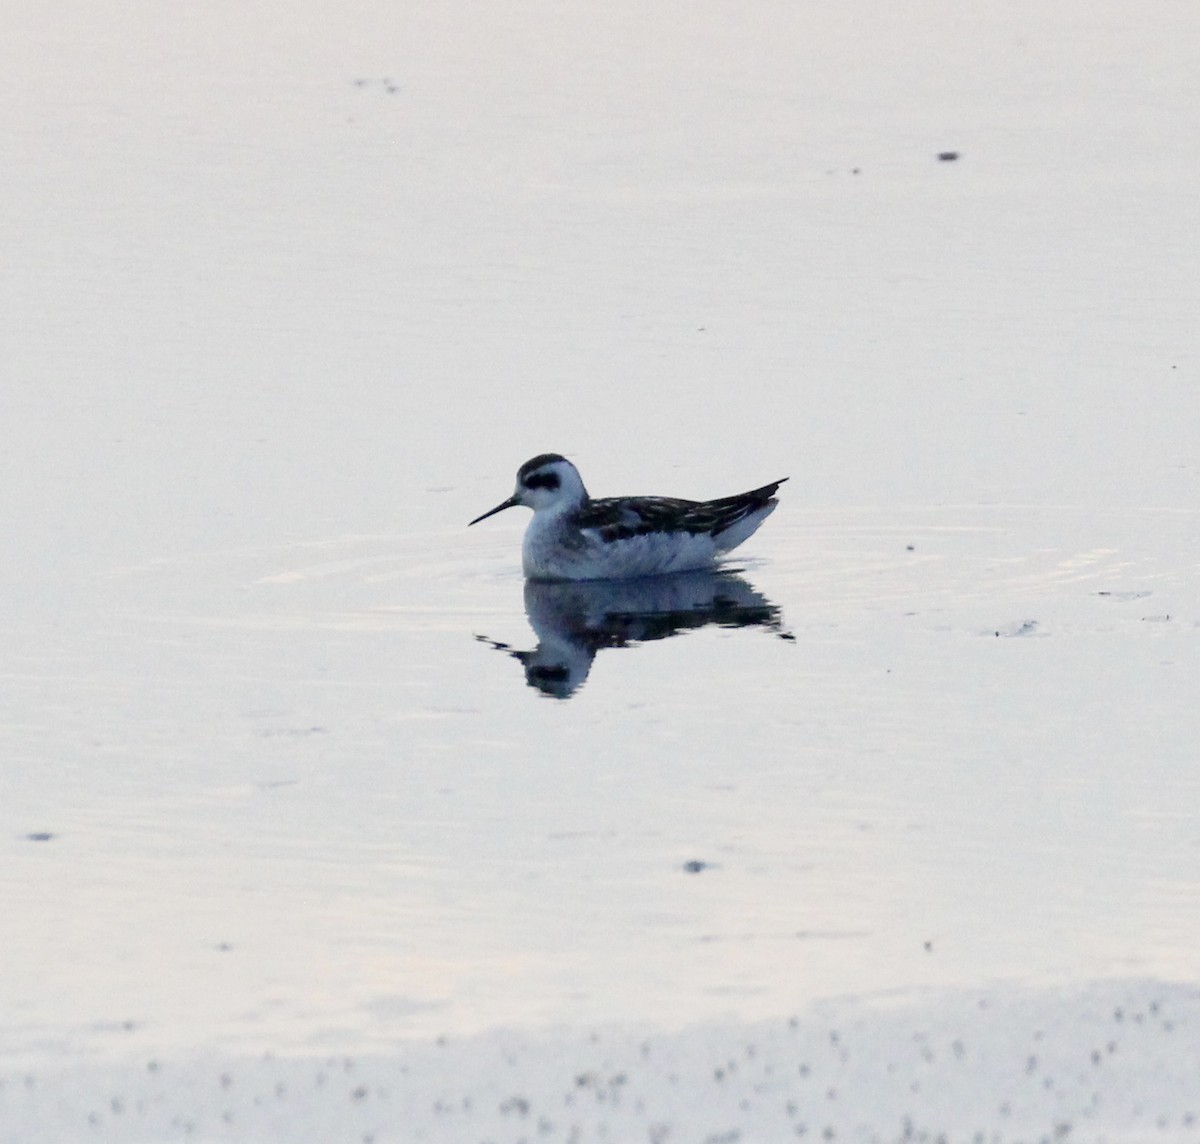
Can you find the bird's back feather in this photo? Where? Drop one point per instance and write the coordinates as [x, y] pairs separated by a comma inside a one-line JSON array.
[[619, 518]]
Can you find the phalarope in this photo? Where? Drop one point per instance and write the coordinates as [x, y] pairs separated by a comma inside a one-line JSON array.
[[573, 537]]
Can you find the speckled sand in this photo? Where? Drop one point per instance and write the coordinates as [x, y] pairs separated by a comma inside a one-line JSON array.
[[1115, 1062]]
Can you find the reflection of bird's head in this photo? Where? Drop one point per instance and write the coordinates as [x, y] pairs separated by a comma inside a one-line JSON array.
[[554, 673]]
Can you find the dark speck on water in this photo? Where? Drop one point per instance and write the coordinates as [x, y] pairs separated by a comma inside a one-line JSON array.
[[39, 836], [694, 866], [947, 156]]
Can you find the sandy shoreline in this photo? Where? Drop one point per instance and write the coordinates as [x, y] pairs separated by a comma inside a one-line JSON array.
[[1110, 1061]]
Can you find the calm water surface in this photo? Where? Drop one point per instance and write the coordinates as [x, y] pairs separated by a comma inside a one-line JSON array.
[[296, 792], [292, 295]]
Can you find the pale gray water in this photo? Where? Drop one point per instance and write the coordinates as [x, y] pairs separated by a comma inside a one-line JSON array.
[[291, 790], [273, 335]]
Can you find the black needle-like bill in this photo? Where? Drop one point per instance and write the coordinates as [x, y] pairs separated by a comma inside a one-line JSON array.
[[511, 502]]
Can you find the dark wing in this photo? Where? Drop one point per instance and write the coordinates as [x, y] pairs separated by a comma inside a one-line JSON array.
[[618, 518], [715, 516]]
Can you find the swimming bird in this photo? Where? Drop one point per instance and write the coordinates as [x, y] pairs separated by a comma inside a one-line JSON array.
[[574, 537]]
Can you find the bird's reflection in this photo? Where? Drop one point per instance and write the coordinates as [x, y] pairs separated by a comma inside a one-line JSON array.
[[574, 619]]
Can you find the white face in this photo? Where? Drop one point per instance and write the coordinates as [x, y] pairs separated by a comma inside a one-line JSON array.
[[546, 482], [552, 483]]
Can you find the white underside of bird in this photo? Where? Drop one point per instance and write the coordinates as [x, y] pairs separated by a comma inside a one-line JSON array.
[[575, 537], [554, 549]]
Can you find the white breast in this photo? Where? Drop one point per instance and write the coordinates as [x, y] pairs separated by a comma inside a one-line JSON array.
[[555, 549], [560, 554]]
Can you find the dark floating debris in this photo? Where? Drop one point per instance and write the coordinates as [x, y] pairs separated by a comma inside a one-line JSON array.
[[695, 866], [387, 83], [39, 836], [1017, 630], [947, 156]]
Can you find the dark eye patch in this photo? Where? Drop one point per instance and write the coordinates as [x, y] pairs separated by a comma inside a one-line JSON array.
[[541, 481]]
